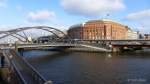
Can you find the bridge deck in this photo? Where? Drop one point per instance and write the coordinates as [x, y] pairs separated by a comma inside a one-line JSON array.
[[130, 45]]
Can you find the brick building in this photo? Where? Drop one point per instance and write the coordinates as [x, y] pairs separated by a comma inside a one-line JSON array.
[[76, 31], [98, 29]]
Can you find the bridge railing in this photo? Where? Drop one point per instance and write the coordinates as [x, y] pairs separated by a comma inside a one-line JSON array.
[[101, 45], [27, 69], [12, 66], [18, 74]]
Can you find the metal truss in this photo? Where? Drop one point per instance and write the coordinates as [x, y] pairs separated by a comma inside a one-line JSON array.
[[14, 32]]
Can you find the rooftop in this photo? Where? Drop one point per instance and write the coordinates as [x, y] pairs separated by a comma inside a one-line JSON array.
[[105, 20]]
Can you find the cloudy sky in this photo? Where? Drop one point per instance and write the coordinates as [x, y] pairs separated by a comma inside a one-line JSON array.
[[64, 13]]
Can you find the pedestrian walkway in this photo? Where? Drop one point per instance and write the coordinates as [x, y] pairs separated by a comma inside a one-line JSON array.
[[25, 71], [96, 48]]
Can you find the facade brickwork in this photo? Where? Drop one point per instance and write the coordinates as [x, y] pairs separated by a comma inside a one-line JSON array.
[[98, 29]]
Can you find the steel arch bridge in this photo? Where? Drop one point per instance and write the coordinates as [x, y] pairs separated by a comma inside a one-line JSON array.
[[14, 32]]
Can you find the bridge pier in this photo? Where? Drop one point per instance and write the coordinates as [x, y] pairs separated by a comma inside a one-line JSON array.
[[116, 49], [20, 51], [16, 47]]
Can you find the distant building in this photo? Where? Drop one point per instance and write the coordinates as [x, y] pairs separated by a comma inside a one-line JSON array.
[[132, 34], [44, 39], [146, 36], [98, 29], [141, 36]]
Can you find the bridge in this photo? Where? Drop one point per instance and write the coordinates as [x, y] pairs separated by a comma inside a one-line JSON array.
[[20, 35], [21, 69], [29, 75], [36, 45], [117, 45]]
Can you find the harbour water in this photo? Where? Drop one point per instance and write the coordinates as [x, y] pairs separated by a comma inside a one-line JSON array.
[[91, 68]]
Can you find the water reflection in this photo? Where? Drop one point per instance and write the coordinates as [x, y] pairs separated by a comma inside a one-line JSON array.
[[92, 68]]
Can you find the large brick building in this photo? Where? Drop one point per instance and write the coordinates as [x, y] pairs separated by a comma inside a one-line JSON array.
[[98, 29]]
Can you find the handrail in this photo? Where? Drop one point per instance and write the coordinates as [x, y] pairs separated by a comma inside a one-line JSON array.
[[36, 75], [15, 69], [19, 74]]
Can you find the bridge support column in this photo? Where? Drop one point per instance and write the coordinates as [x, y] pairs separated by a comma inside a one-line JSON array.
[[115, 49], [16, 47], [20, 50]]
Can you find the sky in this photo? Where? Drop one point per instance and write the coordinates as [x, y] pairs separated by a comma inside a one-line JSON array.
[[61, 14]]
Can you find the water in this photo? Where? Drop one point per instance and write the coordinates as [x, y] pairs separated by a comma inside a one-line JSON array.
[[91, 68]]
